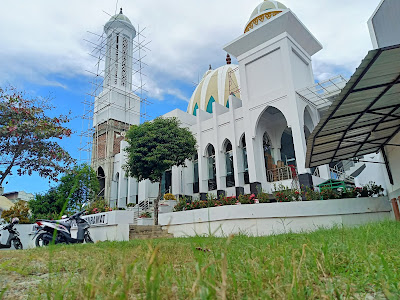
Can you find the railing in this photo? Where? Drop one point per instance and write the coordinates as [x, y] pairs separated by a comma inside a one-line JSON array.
[[339, 175], [141, 207], [279, 174], [320, 95], [316, 172]]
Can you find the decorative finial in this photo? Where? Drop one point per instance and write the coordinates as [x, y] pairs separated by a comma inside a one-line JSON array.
[[228, 59], [120, 11], [210, 68]]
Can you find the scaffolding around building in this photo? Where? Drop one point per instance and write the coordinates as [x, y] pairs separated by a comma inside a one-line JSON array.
[[96, 146], [234, 88]]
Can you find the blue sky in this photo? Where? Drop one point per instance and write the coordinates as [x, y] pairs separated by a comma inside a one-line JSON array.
[[43, 49]]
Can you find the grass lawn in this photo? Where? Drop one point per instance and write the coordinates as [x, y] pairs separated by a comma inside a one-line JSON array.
[[341, 263]]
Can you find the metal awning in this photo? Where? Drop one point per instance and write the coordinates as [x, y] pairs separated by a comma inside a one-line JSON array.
[[366, 114]]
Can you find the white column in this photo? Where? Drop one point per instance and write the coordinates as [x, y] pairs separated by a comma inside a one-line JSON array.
[[175, 180], [236, 150], [324, 172], [299, 142], [255, 159]]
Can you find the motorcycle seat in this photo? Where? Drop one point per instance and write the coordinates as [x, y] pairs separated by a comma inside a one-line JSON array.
[[66, 224]]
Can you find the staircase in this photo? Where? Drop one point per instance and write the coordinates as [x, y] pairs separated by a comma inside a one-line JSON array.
[[142, 206], [147, 232]]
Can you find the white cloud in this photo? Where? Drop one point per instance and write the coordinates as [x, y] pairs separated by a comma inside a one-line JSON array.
[[42, 38]]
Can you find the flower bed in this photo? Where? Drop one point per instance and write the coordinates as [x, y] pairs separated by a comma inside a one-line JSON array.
[[98, 206], [283, 194], [214, 202]]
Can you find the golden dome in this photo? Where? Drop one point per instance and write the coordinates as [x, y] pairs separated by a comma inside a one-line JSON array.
[[264, 11], [215, 87]]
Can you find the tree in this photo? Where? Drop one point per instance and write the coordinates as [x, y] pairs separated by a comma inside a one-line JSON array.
[[79, 186], [155, 147], [27, 137], [47, 206], [19, 210]]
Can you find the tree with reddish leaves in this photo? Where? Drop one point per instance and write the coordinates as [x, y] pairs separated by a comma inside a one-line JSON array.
[[28, 137]]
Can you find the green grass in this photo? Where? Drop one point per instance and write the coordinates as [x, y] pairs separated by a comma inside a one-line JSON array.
[[341, 263]]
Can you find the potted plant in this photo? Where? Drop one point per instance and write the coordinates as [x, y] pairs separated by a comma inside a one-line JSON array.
[[145, 219], [130, 206], [169, 199]]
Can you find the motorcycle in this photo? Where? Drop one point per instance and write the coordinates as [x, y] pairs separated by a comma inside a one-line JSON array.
[[13, 237], [60, 231]]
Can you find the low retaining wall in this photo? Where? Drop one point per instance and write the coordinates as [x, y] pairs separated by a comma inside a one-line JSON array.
[[275, 218], [107, 226]]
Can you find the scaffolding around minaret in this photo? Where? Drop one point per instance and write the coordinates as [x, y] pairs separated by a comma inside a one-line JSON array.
[[117, 98]]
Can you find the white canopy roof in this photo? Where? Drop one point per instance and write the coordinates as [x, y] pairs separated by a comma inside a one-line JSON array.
[[366, 114]]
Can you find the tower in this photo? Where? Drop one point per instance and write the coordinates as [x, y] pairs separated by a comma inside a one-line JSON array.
[[274, 56], [116, 108]]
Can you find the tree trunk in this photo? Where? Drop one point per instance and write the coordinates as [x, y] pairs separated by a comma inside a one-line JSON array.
[[156, 203], [8, 170]]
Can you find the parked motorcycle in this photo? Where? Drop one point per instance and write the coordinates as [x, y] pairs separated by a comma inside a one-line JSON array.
[[45, 231], [13, 237]]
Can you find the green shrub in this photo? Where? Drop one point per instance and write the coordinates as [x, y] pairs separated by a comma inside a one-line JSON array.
[[97, 206], [329, 194], [284, 194], [311, 194], [146, 215], [371, 189]]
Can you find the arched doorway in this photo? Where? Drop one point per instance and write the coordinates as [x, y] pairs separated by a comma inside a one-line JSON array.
[[101, 177], [211, 168], [276, 144]]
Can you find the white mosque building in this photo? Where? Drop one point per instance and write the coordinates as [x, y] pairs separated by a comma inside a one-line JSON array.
[[251, 120]]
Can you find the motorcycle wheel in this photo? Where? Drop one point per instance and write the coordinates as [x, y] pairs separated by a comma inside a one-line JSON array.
[[41, 241], [17, 244], [88, 238]]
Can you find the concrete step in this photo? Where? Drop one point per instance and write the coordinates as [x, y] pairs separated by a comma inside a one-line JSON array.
[[147, 236], [139, 228], [147, 232]]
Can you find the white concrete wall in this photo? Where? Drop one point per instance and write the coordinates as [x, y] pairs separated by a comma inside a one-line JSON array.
[[374, 171], [108, 226], [393, 156], [273, 218]]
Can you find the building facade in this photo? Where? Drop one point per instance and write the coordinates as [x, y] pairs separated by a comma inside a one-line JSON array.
[[251, 120]]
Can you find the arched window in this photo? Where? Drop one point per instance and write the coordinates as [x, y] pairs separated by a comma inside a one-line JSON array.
[[230, 172], [209, 105], [196, 107], [212, 174], [196, 174], [245, 164]]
